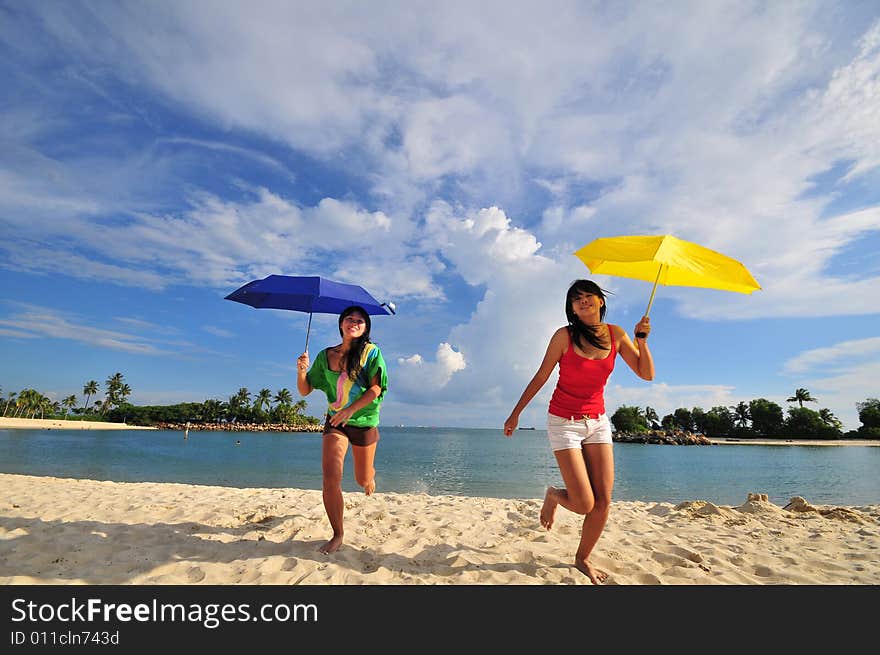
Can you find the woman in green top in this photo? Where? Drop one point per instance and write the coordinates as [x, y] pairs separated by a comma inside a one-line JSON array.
[[354, 377]]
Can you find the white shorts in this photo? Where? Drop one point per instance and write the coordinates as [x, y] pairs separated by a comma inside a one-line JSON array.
[[565, 433]]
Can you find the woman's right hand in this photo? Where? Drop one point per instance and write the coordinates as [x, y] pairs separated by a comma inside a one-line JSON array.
[[302, 362], [510, 425]]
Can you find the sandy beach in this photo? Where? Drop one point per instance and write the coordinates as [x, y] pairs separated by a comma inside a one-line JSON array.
[[65, 531], [7, 423]]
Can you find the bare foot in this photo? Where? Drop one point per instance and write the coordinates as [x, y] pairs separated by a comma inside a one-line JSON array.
[[370, 487], [332, 546], [548, 509], [595, 575]]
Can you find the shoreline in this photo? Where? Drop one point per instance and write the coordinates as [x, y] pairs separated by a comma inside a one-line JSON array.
[[7, 423], [727, 441], [685, 438], [239, 427], [69, 531]]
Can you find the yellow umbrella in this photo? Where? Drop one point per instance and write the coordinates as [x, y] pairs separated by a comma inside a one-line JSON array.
[[666, 260]]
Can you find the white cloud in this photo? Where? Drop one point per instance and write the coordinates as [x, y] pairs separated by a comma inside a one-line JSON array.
[[43, 322], [218, 332], [845, 123], [250, 153], [681, 126], [227, 243], [480, 242], [423, 377], [558, 219], [450, 136], [37, 258], [16, 334], [828, 357], [147, 326]]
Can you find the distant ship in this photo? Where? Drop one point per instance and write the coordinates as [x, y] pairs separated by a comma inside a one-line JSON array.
[[525, 428]]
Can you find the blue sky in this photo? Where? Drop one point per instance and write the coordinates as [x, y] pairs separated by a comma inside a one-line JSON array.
[[450, 157]]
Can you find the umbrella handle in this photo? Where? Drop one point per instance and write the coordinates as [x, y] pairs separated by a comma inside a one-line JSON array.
[[307, 332], [642, 335]]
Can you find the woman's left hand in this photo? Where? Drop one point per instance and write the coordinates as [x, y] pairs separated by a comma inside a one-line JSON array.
[[644, 326], [341, 417]]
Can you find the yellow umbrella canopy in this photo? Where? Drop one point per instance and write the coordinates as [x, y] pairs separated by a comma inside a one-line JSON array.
[[666, 260]]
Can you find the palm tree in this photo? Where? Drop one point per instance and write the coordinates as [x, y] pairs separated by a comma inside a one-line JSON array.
[[829, 419], [124, 392], [31, 400], [264, 398], [19, 403], [742, 413], [225, 411], [28, 401], [48, 405], [283, 397], [90, 388], [242, 396], [10, 401], [212, 410], [68, 404], [114, 385], [652, 417], [802, 396], [241, 399]]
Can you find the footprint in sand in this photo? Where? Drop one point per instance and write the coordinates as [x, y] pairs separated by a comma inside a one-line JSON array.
[[195, 574], [668, 559], [688, 554], [262, 514], [289, 564]]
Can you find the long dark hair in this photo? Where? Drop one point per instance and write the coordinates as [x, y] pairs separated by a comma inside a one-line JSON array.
[[576, 328], [353, 358]]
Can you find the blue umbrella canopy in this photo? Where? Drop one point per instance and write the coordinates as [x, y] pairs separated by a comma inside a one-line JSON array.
[[312, 294]]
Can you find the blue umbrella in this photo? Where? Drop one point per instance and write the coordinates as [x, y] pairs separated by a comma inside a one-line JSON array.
[[307, 294]]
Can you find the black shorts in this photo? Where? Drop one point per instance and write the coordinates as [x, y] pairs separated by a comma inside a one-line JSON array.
[[356, 436]]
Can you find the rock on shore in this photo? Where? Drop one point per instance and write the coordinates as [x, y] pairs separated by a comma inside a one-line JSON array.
[[669, 437], [241, 427]]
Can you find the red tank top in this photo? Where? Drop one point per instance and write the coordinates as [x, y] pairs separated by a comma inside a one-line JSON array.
[[581, 386]]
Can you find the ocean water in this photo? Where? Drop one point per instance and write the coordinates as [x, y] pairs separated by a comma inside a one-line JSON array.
[[449, 461]]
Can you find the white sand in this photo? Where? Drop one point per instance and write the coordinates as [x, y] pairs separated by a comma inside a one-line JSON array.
[[64, 531], [63, 424]]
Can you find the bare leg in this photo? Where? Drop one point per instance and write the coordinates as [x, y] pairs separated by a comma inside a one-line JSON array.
[[548, 509], [332, 460], [364, 470], [577, 496], [599, 460], [596, 576]]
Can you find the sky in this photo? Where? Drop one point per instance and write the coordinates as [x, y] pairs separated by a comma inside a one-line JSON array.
[[449, 157]]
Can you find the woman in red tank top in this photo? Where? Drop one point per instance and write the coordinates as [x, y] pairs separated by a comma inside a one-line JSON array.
[[578, 429]]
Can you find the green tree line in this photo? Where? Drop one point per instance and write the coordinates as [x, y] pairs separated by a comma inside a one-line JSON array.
[[754, 419], [27, 403], [242, 407]]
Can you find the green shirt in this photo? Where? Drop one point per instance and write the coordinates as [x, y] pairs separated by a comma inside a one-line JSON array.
[[342, 391]]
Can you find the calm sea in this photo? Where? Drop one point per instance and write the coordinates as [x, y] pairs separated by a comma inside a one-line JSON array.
[[456, 461]]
